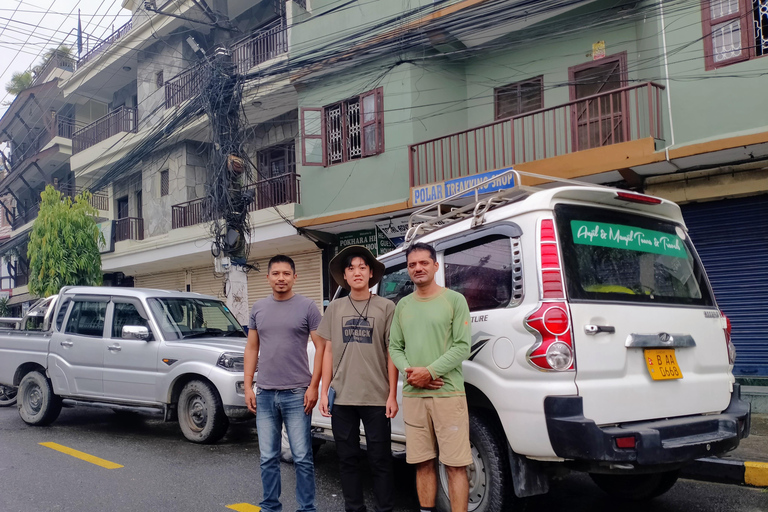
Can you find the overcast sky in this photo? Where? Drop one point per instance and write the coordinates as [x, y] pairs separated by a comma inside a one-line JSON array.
[[29, 27]]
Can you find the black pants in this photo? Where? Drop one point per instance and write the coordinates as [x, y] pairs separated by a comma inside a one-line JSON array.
[[346, 432]]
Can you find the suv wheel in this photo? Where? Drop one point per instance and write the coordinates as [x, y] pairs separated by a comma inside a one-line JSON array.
[[489, 475], [37, 403], [201, 414], [636, 487], [7, 396]]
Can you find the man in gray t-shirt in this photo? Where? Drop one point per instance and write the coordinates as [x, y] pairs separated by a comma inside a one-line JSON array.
[[286, 391]]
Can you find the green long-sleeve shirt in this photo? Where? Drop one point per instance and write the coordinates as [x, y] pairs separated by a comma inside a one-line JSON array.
[[434, 333]]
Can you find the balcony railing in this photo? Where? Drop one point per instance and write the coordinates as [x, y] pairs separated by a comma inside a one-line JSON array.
[[189, 213], [105, 43], [123, 119], [260, 47], [99, 200], [282, 189], [61, 127], [129, 228], [185, 85], [620, 115]]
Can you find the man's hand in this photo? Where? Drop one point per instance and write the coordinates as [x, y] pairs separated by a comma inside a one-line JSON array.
[[324, 406], [435, 384], [392, 407], [310, 399], [419, 377], [250, 399]]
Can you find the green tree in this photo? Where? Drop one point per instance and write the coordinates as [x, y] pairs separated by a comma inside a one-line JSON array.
[[63, 246], [19, 81]]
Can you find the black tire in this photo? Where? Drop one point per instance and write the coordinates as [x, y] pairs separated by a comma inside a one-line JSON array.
[[7, 395], [636, 487], [37, 403], [201, 414], [489, 475]]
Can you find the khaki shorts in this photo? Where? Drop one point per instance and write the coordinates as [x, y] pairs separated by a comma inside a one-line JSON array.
[[435, 425]]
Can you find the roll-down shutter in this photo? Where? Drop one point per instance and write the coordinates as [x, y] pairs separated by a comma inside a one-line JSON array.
[[174, 281], [309, 283], [731, 237], [205, 282]]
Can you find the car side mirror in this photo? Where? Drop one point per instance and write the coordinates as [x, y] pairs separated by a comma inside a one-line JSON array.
[[136, 332]]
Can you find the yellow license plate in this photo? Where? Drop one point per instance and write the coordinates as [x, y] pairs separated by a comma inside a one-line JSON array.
[[662, 364]]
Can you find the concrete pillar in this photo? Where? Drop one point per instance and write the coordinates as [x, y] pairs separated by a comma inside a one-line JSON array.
[[237, 294]]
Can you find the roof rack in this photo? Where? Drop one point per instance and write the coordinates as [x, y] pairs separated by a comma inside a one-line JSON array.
[[429, 221]]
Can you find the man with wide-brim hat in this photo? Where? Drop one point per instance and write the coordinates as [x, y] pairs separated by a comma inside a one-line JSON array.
[[360, 374]]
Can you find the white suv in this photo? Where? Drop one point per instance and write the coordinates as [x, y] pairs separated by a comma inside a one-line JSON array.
[[597, 344]]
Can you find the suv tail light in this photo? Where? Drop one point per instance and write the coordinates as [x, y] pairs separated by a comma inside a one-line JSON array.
[[550, 322], [553, 349], [729, 344]]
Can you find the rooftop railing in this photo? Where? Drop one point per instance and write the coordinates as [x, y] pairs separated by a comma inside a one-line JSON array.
[[122, 119], [105, 43], [620, 115]]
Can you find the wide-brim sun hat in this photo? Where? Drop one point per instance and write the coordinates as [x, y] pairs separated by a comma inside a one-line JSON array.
[[336, 266]]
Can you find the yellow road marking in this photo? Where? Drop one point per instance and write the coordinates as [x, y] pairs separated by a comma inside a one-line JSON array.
[[756, 473], [244, 507], [82, 456]]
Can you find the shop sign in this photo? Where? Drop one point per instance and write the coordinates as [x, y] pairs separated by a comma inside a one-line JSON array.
[[432, 192], [372, 239]]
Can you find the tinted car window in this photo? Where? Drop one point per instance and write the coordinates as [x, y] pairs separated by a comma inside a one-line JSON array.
[[396, 283], [87, 318], [625, 257], [126, 314], [482, 272]]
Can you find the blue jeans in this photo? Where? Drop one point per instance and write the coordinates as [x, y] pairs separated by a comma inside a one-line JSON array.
[[273, 409]]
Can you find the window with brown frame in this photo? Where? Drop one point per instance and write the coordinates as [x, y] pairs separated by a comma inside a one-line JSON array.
[[734, 31], [519, 98], [344, 131]]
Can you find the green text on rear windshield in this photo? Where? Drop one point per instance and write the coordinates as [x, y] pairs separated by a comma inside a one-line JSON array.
[[614, 256], [627, 237]]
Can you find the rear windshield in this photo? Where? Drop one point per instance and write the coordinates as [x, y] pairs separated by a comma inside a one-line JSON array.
[[615, 256]]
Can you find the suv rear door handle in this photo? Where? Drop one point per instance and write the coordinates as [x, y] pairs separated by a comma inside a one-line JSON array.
[[592, 329], [114, 348], [66, 343]]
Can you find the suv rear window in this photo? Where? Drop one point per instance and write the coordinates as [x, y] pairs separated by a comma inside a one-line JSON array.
[[616, 256]]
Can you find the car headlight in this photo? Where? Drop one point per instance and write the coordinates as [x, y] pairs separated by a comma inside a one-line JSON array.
[[231, 361]]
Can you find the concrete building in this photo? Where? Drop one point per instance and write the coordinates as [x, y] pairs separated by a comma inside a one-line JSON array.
[[356, 113]]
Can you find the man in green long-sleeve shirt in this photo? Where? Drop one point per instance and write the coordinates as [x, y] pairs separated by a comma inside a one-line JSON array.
[[429, 339]]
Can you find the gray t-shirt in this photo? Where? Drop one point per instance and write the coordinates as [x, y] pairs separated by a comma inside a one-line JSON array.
[[362, 377], [284, 327]]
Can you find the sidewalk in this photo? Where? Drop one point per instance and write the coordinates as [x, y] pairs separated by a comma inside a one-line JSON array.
[[747, 464]]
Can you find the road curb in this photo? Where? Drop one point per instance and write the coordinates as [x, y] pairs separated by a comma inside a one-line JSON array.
[[714, 469]]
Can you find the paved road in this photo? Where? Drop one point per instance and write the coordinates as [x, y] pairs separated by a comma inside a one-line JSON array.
[[163, 472]]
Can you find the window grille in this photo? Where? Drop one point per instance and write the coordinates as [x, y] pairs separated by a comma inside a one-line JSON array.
[[164, 183], [519, 98]]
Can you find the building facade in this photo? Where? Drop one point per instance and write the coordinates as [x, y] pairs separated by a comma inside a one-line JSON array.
[[350, 115]]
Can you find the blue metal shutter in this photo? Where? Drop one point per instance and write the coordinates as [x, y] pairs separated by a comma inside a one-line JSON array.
[[731, 237]]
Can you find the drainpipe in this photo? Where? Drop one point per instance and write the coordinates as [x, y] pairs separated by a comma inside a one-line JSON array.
[[669, 83]]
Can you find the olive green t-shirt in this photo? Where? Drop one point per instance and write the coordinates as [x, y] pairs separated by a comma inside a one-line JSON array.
[[432, 332], [362, 377]]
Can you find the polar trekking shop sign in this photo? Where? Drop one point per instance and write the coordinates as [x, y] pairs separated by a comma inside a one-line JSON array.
[[432, 192]]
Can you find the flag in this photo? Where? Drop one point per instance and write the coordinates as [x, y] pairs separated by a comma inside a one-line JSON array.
[[79, 35]]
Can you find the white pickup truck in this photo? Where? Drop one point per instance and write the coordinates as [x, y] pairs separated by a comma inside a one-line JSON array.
[[176, 355]]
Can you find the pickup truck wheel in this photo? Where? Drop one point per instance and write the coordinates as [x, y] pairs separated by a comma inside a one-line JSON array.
[[636, 487], [201, 414], [489, 479], [7, 396], [37, 403]]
